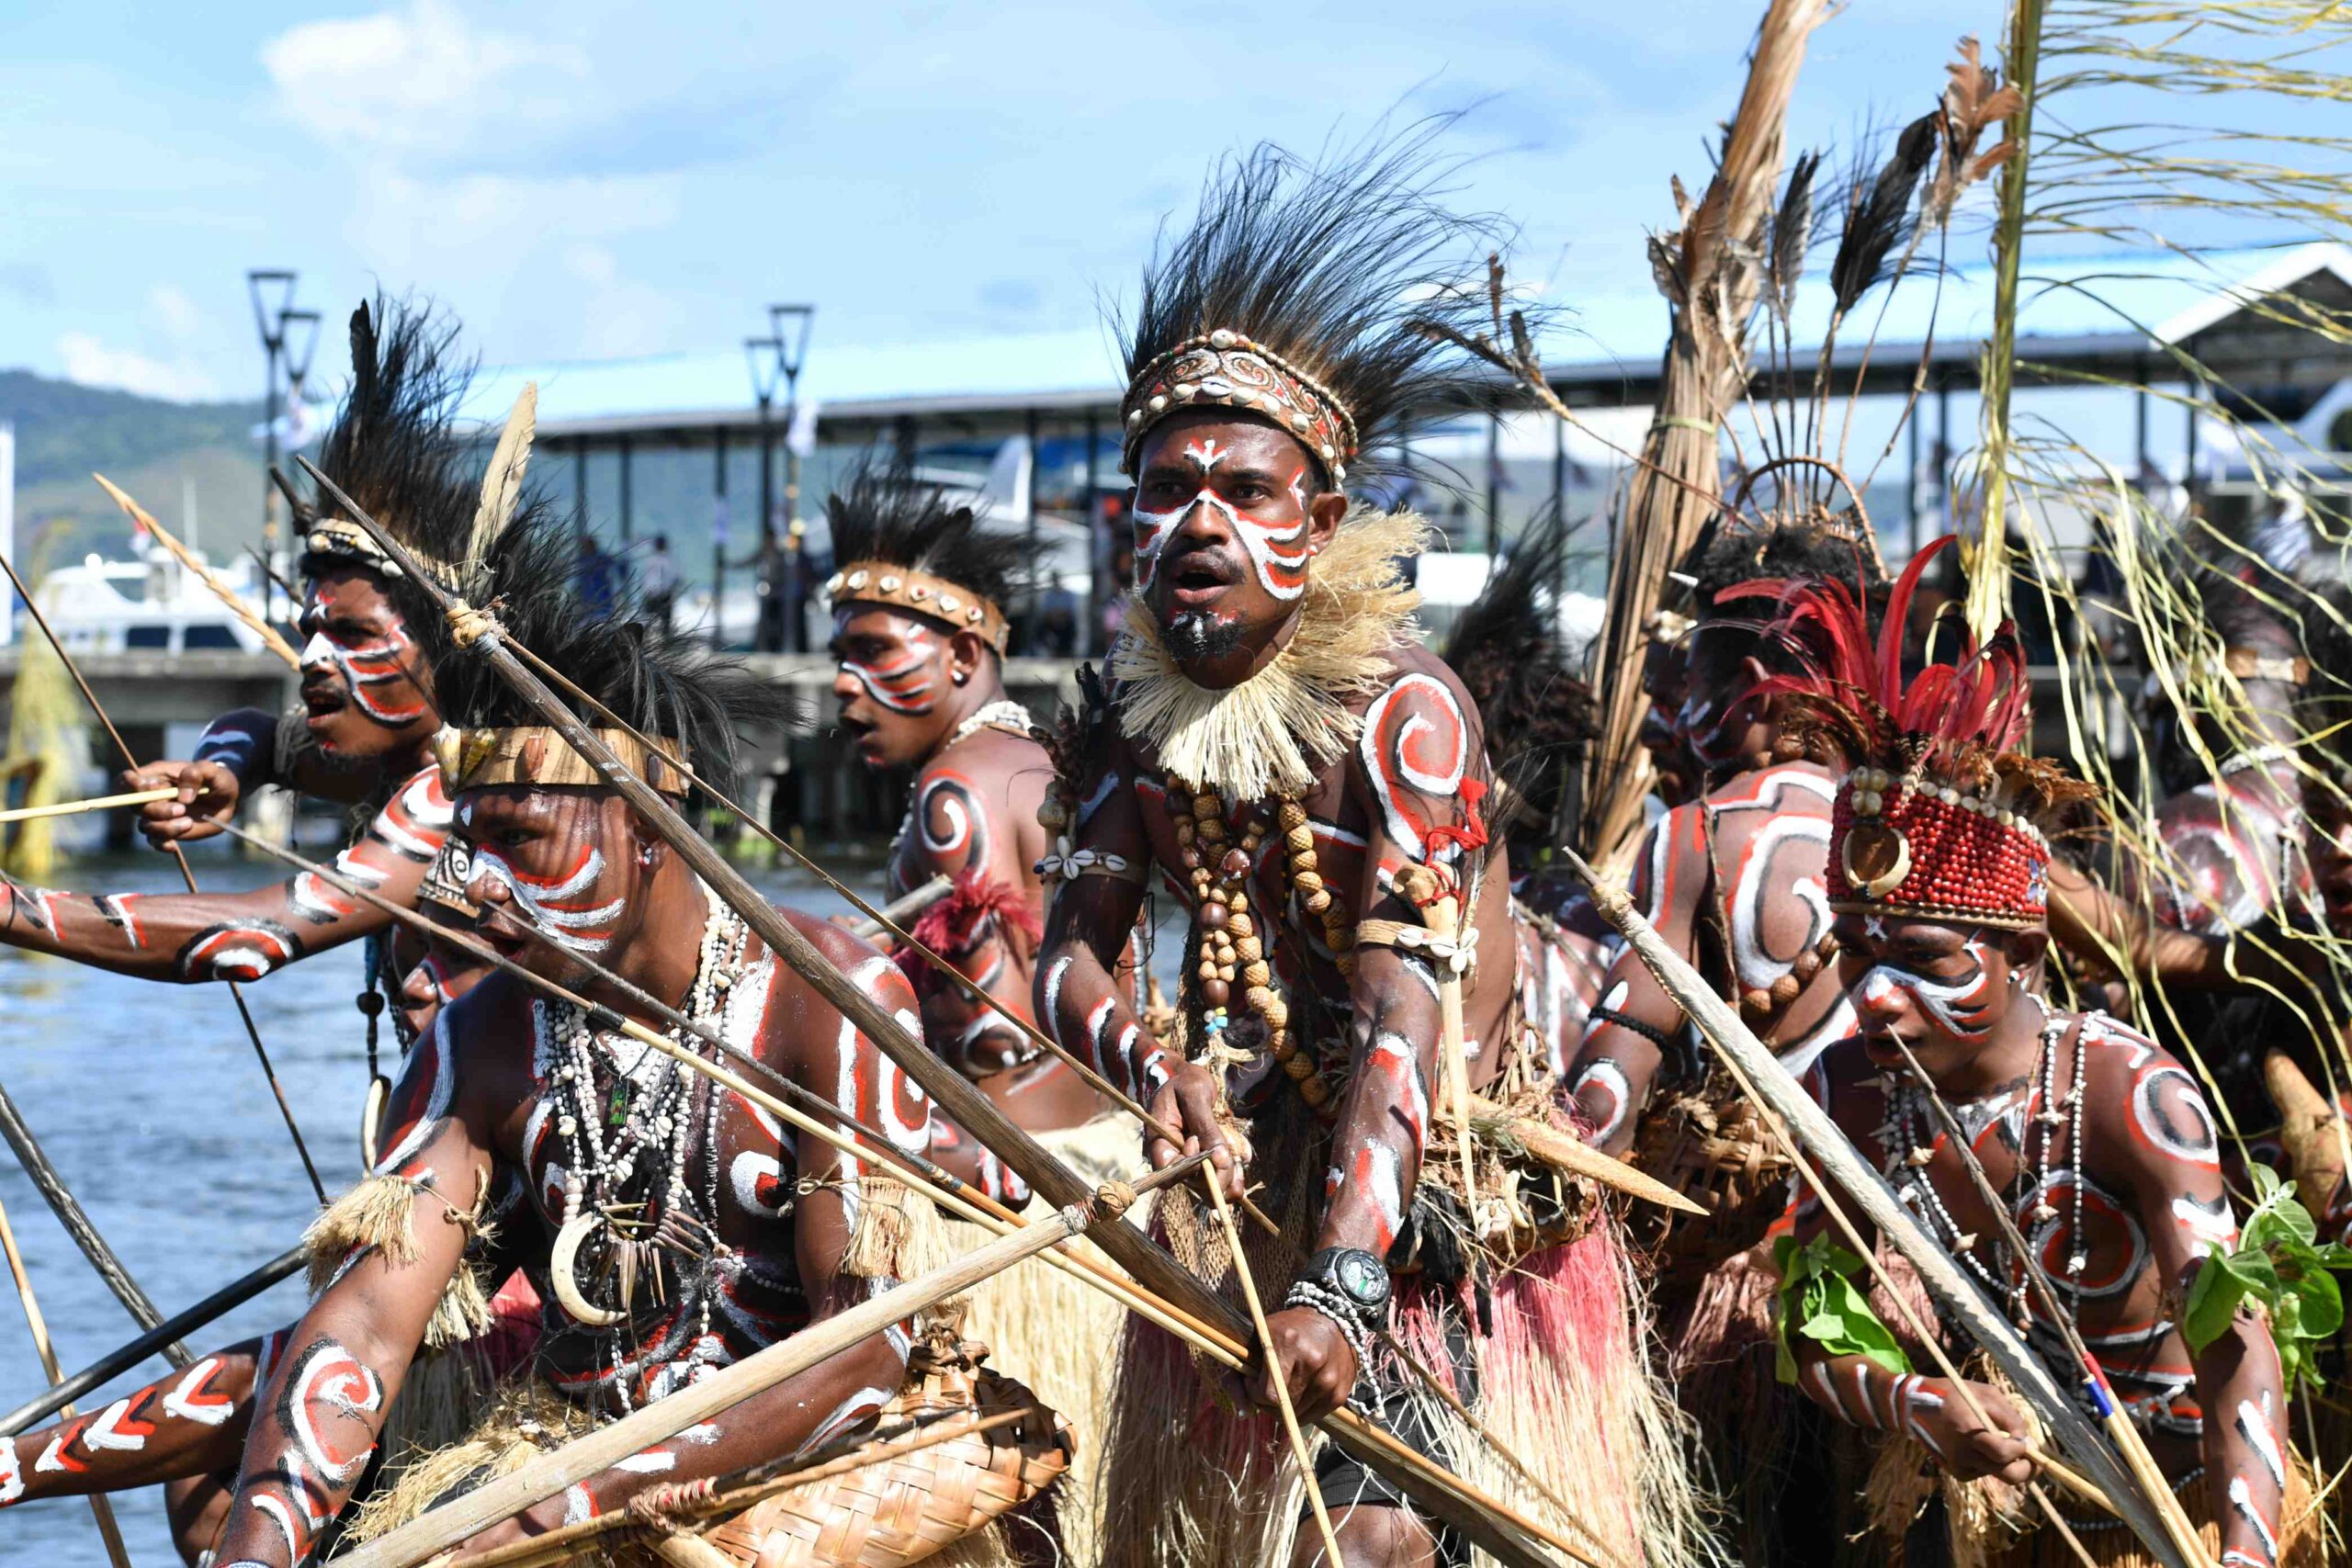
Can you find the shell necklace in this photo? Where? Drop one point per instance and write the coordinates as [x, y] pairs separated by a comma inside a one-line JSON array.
[[624, 1123]]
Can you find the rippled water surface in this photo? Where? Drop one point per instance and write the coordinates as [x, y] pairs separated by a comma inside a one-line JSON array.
[[147, 1099]]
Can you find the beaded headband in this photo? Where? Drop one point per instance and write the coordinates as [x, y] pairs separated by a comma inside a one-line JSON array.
[[1224, 369], [535, 754], [879, 583], [338, 536], [1909, 846]]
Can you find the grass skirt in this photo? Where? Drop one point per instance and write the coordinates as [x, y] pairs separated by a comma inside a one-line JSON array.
[[1056, 1334], [1194, 1476]]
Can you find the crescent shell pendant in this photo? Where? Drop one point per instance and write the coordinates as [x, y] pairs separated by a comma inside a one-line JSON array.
[[573, 1231], [379, 1089]]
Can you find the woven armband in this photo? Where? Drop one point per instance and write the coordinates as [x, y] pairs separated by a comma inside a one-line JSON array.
[[1818, 1302]]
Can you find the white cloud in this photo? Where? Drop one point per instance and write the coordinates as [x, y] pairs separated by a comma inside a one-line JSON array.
[[415, 80], [170, 305], [94, 364]]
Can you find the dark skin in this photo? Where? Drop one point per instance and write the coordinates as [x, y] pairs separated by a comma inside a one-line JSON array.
[[1206, 480], [187, 1429], [367, 698], [1961, 998], [1665, 680], [1761, 892], [326, 1405], [906, 683]]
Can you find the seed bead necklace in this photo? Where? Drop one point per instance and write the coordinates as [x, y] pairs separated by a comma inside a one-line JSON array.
[[1909, 1136]]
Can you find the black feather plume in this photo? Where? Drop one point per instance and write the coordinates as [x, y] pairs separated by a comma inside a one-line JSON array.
[[1537, 714], [1879, 217], [1334, 265], [884, 515], [1791, 234]]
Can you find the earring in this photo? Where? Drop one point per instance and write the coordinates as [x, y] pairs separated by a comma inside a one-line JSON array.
[[961, 676]]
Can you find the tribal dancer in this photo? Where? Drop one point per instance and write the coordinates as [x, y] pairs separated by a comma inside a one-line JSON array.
[[672, 1226], [1733, 880], [187, 1429], [367, 690], [1308, 783], [919, 637], [2104, 1151]]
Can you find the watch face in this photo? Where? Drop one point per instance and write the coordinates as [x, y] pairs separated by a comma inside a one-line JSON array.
[[1362, 1277]]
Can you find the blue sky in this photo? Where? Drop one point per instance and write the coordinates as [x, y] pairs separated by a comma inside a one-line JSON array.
[[597, 179]]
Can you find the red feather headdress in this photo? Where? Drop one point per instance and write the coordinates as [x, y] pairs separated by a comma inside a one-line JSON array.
[[1939, 816]]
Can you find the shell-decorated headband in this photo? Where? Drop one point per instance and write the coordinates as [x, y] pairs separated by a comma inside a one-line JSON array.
[[879, 583], [1225, 370], [340, 536], [538, 755]]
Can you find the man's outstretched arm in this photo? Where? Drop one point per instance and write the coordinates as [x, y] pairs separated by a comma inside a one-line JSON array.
[[189, 937]]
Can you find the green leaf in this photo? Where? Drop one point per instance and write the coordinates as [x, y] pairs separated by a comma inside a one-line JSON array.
[[2213, 1302], [2320, 1309]]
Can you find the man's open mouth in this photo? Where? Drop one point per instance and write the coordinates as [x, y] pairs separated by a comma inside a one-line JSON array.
[[1199, 580], [324, 702]]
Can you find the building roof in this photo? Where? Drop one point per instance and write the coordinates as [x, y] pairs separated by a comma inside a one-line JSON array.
[[2105, 306]]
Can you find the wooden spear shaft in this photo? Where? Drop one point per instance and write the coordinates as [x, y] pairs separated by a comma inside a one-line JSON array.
[[1820, 1137], [75, 808], [100, 1509], [230, 599], [953, 1093], [599, 1450]]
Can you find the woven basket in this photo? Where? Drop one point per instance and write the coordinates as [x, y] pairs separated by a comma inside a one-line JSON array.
[[1711, 1145], [903, 1510]]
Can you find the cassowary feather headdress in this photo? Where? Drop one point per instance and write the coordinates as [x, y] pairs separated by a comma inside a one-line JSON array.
[[902, 544]]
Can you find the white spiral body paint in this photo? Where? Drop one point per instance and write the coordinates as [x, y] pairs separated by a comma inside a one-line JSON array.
[[1428, 754], [1603, 1073], [2199, 1142], [2211, 1227], [550, 902]]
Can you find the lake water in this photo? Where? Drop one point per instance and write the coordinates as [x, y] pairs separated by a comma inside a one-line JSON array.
[[147, 1100]]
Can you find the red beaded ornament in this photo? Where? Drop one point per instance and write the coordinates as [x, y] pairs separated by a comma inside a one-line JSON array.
[[1940, 816]]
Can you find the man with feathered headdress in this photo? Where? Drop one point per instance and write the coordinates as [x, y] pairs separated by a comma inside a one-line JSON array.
[[2104, 1151], [919, 631], [1310, 784], [369, 710]]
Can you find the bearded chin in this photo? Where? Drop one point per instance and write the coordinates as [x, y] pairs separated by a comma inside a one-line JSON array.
[[1194, 637]]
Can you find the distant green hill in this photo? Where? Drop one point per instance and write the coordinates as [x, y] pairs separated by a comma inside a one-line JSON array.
[[163, 452]]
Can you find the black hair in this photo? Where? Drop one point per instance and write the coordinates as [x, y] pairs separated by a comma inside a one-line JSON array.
[[661, 682], [886, 516], [1731, 551], [1342, 266], [395, 448]]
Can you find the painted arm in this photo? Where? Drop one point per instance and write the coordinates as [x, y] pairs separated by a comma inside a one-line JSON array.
[[1864, 1392], [2093, 923], [234, 756], [987, 928], [1626, 1033], [237, 936], [813, 1407], [2171, 1161], [1079, 1000], [317, 1419]]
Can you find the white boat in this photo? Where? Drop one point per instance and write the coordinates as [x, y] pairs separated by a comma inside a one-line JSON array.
[[152, 605]]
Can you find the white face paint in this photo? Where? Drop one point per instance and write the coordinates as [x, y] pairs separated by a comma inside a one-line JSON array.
[[1961, 1008], [552, 903], [901, 683], [1277, 552]]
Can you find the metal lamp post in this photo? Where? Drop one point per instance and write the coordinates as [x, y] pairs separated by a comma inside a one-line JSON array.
[[765, 356], [790, 324], [273, 296]]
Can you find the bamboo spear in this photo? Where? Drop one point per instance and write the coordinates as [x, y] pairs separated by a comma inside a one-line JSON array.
[[123, 1357], [94, 803], [229, 598], [599, 1450], [187, 874], [100, 1508], [955, 1094], [1820, 1137]]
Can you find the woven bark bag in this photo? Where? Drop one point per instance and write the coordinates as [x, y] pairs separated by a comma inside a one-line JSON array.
[[905, 1509], [1711, 1145]]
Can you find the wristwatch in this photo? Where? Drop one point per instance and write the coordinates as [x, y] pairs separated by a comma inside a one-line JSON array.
[[1358, 1277]]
